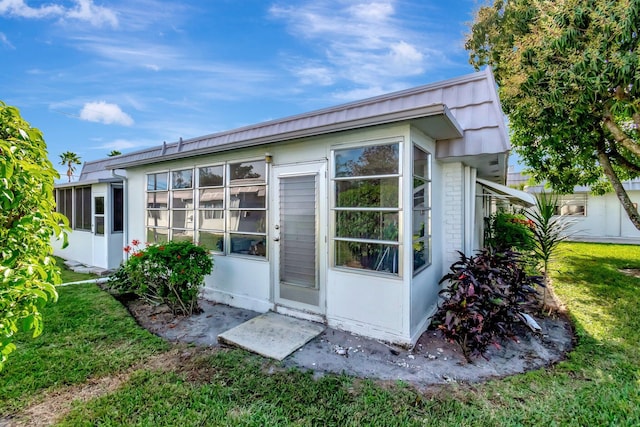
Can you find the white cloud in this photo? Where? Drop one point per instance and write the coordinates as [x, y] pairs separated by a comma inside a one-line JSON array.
[[84, 10], [315, 75], [103, 112], [365, 43], [5, 41], [20, 9], [404, 56], [375, 12]]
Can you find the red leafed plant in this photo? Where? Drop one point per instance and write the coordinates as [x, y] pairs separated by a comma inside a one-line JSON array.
[[482, 300]]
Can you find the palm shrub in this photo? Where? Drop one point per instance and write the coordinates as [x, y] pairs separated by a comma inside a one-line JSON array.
[[171, 273], [549, 230], [484, 295]]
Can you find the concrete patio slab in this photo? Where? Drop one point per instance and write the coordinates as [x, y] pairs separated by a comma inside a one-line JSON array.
[[272, 335]]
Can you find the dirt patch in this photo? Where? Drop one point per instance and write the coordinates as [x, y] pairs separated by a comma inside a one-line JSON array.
[[432, 360], [633, 272], [53, 405]]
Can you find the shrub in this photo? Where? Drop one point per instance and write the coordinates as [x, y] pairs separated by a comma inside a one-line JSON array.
[[509, 231], [171, 273], [484, 295], [28, 272]]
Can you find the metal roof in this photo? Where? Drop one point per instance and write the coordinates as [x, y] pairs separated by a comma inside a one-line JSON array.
[[464, 113]]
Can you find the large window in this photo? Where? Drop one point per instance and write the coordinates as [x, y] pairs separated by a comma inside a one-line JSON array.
[[366, 207], [82, 209], [64, 203], [421, 214], [222, 207]]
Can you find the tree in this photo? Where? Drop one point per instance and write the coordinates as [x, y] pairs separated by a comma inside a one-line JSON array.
[[569, 81], [27, 220], [69, 158], [114, 153]]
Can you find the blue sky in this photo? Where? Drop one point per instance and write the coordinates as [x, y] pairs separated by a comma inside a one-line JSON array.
[[97, 76]]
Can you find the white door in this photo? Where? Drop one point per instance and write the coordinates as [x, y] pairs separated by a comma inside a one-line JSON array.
[[99, 225], [299, 236]]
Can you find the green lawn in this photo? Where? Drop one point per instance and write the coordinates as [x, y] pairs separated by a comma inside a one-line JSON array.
[[599, 383]]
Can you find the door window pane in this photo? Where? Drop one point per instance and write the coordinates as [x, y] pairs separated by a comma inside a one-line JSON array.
[[118, 209], [99, 225]]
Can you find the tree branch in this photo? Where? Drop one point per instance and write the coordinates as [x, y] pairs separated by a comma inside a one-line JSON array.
[[623, 161], [631, 211], [619, 135]]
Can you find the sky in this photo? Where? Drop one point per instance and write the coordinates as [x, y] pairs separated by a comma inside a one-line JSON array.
[[100, 75]]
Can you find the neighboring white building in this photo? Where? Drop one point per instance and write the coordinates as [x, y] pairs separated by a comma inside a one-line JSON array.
[[595, 218], [348, 215]]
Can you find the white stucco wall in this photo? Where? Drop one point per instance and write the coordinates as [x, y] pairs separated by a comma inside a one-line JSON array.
[[80, 247], [424, 285], [605, 218]]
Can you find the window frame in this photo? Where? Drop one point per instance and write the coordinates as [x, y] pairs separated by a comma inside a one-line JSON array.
[[253, 251], [338, 241], [82, 219], [211, 210], [117, 209], [64, 204], [157, 210], [99, 217], [198, 211], [427, 208]]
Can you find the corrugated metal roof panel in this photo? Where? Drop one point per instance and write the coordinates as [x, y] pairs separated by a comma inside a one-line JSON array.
[[466, 104]]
